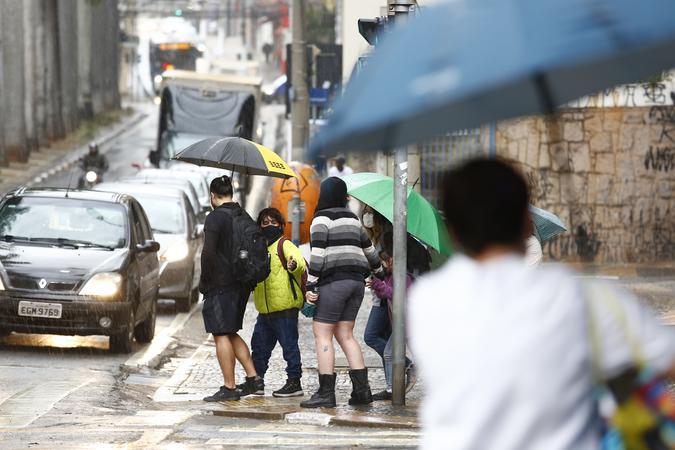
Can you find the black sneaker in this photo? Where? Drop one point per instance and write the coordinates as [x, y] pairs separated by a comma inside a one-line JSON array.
[[383, 395], [252, 386], [224, 394], [292, 388]]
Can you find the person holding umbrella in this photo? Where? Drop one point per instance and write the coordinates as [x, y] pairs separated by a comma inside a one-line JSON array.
[[342, 258], [225, 297]]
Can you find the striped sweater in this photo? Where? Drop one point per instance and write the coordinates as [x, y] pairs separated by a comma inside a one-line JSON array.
[[341, 249]]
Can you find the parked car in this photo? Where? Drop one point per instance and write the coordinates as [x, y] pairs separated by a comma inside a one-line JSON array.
[[209, 173], [176, 228], [196, 179], [183, 185], [77, 263]]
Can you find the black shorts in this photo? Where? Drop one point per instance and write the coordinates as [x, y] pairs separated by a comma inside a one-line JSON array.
[[223, 310], [339, 301]]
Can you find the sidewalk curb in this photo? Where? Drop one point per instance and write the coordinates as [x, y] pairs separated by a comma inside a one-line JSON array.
[[51, 162], [339, 419], [71, 158]]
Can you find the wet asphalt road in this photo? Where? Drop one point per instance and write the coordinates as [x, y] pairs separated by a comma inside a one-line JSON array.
[[70, 392]]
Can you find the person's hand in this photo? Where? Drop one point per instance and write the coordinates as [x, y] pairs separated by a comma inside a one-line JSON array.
[[379, 273], [311, 297], [291, 264], [369, 282]]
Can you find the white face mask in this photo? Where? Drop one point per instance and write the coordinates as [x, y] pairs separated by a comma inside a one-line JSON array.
[[368, 220]]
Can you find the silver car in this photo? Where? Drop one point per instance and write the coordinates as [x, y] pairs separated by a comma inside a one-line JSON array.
[[181, 238], [196, 179], [183, 185]]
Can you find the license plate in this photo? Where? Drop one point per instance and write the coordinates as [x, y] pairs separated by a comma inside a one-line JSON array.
[[37, 309]]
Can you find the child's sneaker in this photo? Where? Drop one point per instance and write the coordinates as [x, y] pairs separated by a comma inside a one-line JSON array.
[[292, 388]]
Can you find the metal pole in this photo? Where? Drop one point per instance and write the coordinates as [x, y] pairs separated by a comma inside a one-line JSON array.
[[300, 95], [295, 214], [400, 10], [399, 273]]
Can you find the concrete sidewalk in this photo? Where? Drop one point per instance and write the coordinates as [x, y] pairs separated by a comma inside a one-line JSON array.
[[62, 155], [200, 376]]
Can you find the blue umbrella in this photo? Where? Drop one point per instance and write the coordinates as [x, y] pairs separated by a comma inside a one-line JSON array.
[[465, 63], [547, 224]]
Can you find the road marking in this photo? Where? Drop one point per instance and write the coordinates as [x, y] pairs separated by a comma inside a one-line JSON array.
[[23, 408], [160, 341]]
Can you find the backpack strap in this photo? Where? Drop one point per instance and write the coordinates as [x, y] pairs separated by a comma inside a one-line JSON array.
[[284, 263]]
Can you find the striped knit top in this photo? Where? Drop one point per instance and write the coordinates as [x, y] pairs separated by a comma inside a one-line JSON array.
[[341, 249]]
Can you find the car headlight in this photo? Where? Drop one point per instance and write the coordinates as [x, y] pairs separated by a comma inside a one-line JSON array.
[[91, 176], [176, 252], [105, 284]]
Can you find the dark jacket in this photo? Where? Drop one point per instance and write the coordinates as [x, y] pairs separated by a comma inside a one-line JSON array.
[[217, 251], [97, 161]]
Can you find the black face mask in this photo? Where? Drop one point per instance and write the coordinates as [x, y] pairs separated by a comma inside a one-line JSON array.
[[272, 233]]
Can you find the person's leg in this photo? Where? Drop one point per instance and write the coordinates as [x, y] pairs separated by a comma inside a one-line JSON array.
[[286, 329], [262, 343], [377, 329], [242, 354], [226, 359], [389, 363], [344, 334], [323, 340], [287, 334]]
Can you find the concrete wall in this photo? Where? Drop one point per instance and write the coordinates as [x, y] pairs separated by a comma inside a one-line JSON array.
[[50, 82], [609, 173]]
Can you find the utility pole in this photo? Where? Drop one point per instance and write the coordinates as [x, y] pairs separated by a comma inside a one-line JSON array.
[[300, 93], [399, 11], [299, 104]]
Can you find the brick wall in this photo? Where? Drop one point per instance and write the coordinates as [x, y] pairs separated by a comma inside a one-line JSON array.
[[609, 173]]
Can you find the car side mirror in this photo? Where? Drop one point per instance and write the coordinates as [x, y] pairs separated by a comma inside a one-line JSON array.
[[148, 247]]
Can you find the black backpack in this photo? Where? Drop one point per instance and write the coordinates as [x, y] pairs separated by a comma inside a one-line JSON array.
[[250, 258]]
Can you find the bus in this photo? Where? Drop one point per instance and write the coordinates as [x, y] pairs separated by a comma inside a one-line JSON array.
[[168, 55]]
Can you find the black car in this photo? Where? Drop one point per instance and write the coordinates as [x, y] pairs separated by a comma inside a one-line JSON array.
[[77, 263]]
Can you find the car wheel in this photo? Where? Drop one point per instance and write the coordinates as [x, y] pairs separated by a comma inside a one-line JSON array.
[[122, 342], [184, 304], [145, 330]]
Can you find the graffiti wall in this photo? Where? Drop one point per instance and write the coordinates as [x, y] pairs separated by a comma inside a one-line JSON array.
[[608, 172]]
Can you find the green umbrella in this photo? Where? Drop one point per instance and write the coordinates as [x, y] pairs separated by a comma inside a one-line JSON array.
[[424, 221]]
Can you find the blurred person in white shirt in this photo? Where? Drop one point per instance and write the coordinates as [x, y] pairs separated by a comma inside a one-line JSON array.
[[340, 169], [504, 347]]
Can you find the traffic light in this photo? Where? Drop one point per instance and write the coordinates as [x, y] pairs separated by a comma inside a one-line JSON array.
[[372, 29]]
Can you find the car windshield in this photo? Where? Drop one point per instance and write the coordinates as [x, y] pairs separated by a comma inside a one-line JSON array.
[[166, 215], [63, 221]]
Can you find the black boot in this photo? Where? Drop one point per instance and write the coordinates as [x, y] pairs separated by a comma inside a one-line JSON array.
[[361, 394], [325, 396]]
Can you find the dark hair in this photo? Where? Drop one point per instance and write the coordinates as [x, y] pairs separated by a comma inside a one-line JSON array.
[[333, 194], [272, 213], [485, 202], [221, 186]]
